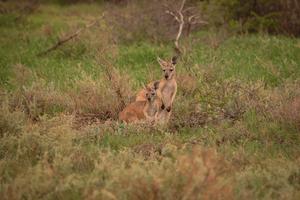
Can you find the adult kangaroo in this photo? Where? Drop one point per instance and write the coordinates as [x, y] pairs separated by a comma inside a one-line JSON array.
[[166, 89]]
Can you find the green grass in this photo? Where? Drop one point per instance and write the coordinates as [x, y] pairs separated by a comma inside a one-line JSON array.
[[269, 58], [49, 150]]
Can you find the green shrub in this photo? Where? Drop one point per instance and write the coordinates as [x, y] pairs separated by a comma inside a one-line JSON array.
[[273, 16]]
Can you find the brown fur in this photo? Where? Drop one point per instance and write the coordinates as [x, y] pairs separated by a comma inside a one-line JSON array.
[[133, 112], [168, 91], [141, 96], [142, 110], [167, 88]]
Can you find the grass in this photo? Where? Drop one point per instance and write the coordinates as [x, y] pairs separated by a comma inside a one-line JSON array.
[[234, 132]]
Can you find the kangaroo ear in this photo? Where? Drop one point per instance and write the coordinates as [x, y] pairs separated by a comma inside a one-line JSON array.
[[147, 88], [156, 85], [174, 60], [161, 62]]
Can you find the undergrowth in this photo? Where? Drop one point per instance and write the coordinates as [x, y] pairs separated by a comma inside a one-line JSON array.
[[234, 132]]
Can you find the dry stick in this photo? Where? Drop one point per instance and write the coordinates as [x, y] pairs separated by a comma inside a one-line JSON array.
[[180, 20], [61, 41], [192, 20], [179, 17]]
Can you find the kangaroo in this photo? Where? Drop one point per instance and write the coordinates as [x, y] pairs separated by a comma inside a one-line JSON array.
[[166, 88], [142, 110], [141, 96]]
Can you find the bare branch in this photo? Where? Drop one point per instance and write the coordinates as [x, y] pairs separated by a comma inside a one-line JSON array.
[[62, 41], [184, 16], [188, 9], [200, 22], [180, 20], [182, 6], [193, 20], [181, 24], [173, 14]]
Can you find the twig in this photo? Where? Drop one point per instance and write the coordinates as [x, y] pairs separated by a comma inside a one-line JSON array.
[[193, 20], [182, 5], [62, 41], [173, 14], [188, 9], [180, 19]]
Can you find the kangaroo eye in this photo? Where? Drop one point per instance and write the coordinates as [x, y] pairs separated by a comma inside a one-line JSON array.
[[171, 70], [164, 70]]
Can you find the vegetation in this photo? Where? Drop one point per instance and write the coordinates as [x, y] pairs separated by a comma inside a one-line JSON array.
[[234, 131]]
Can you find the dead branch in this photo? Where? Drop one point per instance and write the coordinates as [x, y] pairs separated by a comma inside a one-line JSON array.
[[183, 16], [181, 24], [182, 6], [173, 14], [180, 19], [188, 9], [62, 41], [195, 19], [192, 20]]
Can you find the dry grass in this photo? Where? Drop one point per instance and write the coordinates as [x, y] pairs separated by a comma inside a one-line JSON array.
[[100, 97], [81, 151], [11, 122], [59, 164], [88, 99], [286, 104], [234, 132]]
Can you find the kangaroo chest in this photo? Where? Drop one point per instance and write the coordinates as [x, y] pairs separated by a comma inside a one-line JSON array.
[[168, 90], [151, 112], [151, 109]]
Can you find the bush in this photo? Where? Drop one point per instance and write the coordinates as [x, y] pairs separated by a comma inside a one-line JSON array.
[[104, 98], [87, 98], [147, 19], [272, 16]]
